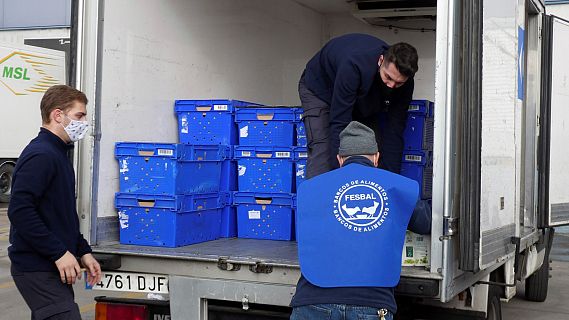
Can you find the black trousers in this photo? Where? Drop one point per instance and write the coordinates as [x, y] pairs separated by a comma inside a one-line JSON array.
[[46, 295], [316, 118]]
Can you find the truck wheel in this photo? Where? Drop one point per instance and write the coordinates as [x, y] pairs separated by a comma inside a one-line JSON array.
[[494, 311], [537, 283], [6, 172]]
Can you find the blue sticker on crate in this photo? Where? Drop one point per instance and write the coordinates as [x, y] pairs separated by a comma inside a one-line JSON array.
[[205, 122], [264, 169], [153, 168], [265, 126], [169, 221], [264, 215]]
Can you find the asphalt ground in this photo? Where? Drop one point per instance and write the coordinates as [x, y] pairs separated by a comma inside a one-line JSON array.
[[12, 305]]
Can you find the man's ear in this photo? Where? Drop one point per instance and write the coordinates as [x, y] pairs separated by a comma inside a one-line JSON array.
[[376, 159], [56, 115], [340, 160]]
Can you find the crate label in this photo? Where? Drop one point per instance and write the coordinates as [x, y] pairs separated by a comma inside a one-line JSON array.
[[282, 154], [414, 108], [413, 158], [244, 132], [300, 170], [303, 155], [241, 170], [184, 127], [245, 153], [254, 214], [123, 218], [220, 107], [165, 152]]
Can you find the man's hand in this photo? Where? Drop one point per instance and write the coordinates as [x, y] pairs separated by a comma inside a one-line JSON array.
[[93, 269], [68, 268]]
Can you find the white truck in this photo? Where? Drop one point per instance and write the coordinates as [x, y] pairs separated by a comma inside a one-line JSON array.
[[26, 72], [495, 69]]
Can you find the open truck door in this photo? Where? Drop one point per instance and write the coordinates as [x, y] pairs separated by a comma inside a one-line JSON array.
[[553, 203]]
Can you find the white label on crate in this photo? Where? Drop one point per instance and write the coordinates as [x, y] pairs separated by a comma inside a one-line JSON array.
[[241, 169], [282, 154], [184, 124], [124, 166], [245, 153], [413, 108], [244, 132], [413, 158], [123, 218], [220, 107], [303, 155], [254, 214], [165, 152], [300, 170]]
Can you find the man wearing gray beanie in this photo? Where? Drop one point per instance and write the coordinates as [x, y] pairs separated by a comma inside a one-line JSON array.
[[358, 146]]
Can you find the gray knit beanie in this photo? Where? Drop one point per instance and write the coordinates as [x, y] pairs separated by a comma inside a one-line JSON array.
[[357, 139]]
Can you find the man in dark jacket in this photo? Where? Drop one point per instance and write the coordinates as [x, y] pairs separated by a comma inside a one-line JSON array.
[[357, 146], [44, 232], [355, 77]]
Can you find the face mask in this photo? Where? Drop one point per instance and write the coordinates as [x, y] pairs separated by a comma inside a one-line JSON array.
[[76, 129]]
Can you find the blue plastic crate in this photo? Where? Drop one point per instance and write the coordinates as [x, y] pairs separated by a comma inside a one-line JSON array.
[[166, 168], [418, 166], [169, 221], [264, 169], [300, 157], [264, 215], [205, 122], [301, 139], [265, 126], [229, 222], [418, 134]]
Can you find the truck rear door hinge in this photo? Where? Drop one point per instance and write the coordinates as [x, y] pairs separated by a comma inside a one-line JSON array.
[[260, 267], [228, 266], [450, 227]]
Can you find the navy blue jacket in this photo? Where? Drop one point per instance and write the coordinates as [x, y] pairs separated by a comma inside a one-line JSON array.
[[345, 75], [42, 210], [375, 297]]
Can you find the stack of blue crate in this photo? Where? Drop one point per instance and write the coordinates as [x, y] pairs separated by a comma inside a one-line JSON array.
[[212, 122], [169, 193], [265, 158], [417, 162]]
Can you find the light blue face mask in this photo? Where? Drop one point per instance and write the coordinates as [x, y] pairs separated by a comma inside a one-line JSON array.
[[76, 129]]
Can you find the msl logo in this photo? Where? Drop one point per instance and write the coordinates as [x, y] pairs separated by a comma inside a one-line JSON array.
[[25, 73], [361, 206]]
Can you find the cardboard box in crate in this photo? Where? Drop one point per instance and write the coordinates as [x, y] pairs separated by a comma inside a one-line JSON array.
[[169, 220], [264, 215], [167, 168]]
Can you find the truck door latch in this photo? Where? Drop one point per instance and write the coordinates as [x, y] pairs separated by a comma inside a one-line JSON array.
[[223, 264], [450, 227], [260, 267]]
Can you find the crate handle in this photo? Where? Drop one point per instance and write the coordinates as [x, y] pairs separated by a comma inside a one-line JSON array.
[[264, 155], [146, 153], [147, 203], [263, 200], [203, 108], [265, 117]]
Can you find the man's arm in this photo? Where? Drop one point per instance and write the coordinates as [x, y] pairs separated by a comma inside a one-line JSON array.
[[30, 183], [392, 146], [346, 86], [421, 219]]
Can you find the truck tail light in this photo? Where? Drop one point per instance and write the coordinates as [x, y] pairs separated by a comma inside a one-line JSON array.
[[118, 311]]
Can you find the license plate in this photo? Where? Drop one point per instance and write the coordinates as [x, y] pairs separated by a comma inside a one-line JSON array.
[[131, 282]]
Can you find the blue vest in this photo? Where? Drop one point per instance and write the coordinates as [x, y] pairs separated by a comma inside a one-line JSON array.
[[351, 225]]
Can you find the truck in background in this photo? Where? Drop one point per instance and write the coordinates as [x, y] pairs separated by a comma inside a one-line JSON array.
[[27, 69], [498, 166]]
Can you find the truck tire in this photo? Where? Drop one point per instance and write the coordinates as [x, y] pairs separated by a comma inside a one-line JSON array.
[[537, 283], [494, 309], [6, 172]]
